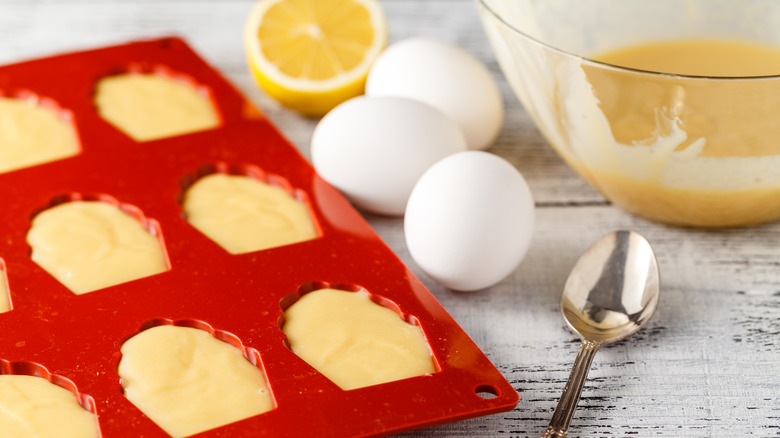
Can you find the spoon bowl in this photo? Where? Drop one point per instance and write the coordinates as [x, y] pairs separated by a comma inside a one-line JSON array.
[[613, 289], [611, 293]]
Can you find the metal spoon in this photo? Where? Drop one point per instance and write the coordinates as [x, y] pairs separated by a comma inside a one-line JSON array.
[[611, 293]]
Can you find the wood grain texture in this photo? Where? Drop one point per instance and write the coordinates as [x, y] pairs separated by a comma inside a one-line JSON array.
[[708, 364]]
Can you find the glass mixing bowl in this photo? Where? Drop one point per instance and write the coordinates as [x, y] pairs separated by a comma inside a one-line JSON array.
[[680, 149]]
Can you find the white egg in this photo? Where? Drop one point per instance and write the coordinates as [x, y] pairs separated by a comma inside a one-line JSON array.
[[374, 149], [446, 77], [469, 220]]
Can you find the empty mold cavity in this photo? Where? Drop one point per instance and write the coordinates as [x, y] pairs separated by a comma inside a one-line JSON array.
[[189, 378], [34, 130], [244, 209], [37, 403], [93, 242], [5, 298], [154, 102], [352, 337]]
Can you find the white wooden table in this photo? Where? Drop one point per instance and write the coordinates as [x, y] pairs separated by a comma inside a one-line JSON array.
[[707, 365]]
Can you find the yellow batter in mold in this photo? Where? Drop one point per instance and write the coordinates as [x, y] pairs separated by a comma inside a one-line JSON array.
[[187, 381], [243, 214], [31, 134], [153, 106], [34, 407], [90, 245], [353, 341]]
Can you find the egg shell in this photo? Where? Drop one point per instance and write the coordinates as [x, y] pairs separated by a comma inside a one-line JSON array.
[[374, 149], [469, 220], [446, 77]]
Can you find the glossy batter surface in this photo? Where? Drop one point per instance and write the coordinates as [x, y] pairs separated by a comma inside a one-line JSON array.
[[34, 407], [353, 341], [151, 106], [90, 245], [243, 214], [187, 381], [31, 134]]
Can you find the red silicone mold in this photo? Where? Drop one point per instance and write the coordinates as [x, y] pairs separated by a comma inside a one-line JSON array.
[[77, 338]]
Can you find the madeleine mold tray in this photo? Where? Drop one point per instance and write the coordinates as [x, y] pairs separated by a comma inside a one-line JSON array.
[[74, 340]]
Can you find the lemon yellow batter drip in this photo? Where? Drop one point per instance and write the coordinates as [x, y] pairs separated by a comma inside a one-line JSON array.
[[353, 341], [187, 381], [5, 303]]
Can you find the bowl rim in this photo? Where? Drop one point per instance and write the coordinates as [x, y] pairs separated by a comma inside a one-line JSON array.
[[486, 7]]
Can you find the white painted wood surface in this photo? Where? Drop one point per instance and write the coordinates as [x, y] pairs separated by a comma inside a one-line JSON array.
[[708, 365]]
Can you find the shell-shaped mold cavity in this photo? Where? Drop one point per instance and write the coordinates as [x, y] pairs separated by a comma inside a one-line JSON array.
[[35, 402], [154, 102], [352, 337], [188, 377], [244, 209], [94, 242], [34, 130]]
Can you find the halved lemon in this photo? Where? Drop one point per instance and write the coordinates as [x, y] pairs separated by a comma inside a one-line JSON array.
[[311, 55]]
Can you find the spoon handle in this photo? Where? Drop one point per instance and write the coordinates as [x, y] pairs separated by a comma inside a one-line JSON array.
[[559, 424]]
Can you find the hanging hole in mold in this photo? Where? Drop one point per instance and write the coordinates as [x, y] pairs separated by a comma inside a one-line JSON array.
[[245, 209], [91, 242], [36, 390], [352, 337], [36, 130], [166, 352], [487, 392], [152, 102]]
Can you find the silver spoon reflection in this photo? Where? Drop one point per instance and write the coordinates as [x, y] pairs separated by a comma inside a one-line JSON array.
[[611, 293]]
